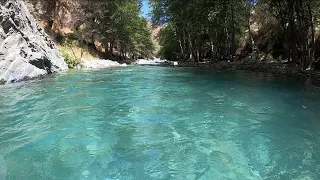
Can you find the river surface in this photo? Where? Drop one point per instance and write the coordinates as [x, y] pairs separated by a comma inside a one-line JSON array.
[[160, 123]]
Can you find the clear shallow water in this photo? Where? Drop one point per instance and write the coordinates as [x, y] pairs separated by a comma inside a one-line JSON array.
[[159, 123]]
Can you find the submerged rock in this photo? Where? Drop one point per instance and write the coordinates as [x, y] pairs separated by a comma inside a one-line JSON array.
[[26, 51], [100, 64]]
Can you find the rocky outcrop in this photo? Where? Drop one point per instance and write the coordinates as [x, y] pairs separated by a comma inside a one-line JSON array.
[[60, 16], [26, 51], [62, 19]]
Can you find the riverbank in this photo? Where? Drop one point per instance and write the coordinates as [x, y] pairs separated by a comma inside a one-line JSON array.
[[273, 67]]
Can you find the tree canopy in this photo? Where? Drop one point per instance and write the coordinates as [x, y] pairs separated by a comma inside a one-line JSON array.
[[217, 29], [119, 24]]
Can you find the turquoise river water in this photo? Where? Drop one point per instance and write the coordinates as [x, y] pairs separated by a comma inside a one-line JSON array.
[[159, 123]]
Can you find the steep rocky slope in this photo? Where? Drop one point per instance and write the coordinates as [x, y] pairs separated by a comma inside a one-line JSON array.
[[62, 18], [26, 51]]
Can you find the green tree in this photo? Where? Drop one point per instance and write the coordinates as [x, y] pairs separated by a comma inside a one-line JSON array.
[[119, 25], [203, 28]]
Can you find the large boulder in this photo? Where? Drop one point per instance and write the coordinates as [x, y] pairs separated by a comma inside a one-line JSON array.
[[26, 51]]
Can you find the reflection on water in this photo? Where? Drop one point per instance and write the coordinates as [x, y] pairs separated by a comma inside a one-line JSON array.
[[159, 123]]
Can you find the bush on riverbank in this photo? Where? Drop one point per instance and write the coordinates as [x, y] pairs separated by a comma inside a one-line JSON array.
[[71, 60], [73, 52]]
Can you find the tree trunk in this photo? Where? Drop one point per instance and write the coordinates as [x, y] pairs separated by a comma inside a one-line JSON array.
[[312, 43], [233, 43], [190, 47], [254, 47], [212, 52]]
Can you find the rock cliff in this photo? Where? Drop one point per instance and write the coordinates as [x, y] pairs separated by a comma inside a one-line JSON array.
[[61, 19], [26, 51]]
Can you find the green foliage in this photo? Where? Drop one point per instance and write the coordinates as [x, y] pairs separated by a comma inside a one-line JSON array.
[[120, 26], [69, 53], [169, 43], [202, 26], [297, 21], [71, 60], [215, 29]]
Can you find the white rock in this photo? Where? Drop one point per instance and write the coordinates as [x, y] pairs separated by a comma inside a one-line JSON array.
[[155, 62], [100, 64], [26, 51]]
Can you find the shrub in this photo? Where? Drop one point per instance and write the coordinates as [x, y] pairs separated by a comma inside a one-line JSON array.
[[71, 60]]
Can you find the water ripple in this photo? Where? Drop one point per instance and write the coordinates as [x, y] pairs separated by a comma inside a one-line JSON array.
[[159, 123]]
